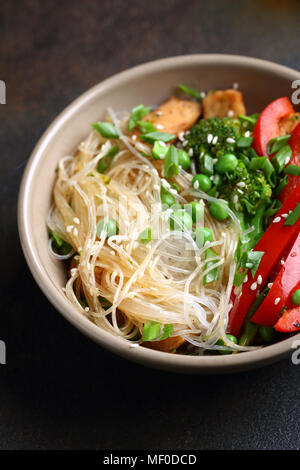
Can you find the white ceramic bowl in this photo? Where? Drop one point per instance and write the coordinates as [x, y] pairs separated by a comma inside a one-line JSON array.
[[260, 81]]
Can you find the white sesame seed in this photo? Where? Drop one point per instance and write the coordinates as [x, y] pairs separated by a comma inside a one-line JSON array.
[[247, 134], [70, 228], [277, 300], [215, 160], [235, 85], [133, 137], [246, 278], [215, 140], [159, 113], [159, 126], [270, 284], [276, 220], [191, 152], [76, 220], [241, 184], [230, 140], [253, 286], [235, 198], [282, 262], [284, 215], [209, 138], [259, 279], [196, 185], [75, 232], [87, 309], [202, 94], [230, 113], [181, 136], [187, 132], [184, 143]]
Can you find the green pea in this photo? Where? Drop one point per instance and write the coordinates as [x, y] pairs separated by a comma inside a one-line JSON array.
[[196, 210], [267, 334], [201, 182], [185, 221], [109, 226], [202, 235], [184, 160], [221, 343], [226, 163], [218, 210], [296, 297], [167, 198]]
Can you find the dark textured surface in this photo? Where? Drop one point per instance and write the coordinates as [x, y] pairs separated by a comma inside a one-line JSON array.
[[59, 390]]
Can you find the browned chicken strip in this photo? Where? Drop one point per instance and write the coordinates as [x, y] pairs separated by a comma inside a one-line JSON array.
[[288, 123], [174, 116], [167, 345], [227, 103]]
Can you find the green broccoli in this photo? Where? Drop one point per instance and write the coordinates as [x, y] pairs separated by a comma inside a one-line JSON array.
[[223, 128]]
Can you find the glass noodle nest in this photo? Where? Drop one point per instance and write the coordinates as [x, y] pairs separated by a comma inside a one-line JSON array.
[[160, 281]]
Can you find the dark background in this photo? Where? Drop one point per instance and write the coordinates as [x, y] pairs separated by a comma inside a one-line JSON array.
[[58, 389]]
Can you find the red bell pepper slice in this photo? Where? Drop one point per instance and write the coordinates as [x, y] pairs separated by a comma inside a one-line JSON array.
[[289, 322], [267, 125], [294, 143], [273, 243], [279, 296]]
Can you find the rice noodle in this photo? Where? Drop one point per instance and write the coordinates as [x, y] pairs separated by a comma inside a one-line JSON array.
[[161, 281]]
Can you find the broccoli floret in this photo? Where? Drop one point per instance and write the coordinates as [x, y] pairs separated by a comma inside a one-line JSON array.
[[223, 128], [245, 190]]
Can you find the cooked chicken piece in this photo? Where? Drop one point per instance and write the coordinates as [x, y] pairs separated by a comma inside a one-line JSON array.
[[174, 116], [226, 103], [288, 123], [167, 345]]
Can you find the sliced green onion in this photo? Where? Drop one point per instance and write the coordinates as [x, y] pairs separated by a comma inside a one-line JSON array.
[[293, 216], [171, 162], [137, 113], [109, 226], [159, 151], [146, 126], [213, 274], [282, 157], [152, 329], [292, 170], [146, 236], [276, 144], [106, 161], [208, 165], [152, 137], [106, 129], [244, 142], [62, 247], [249, 120], [281, 185], [251, 260], [190, 91], [57, 239]]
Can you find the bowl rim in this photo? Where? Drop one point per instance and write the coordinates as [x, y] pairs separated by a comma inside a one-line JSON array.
[[156, 359]]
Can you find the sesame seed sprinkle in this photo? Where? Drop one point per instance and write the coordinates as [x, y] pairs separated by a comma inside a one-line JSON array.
[[284, 215], [196, 185], [76, 220], [191, 152], [159, 126], [253, 286], [215, 140], [70, 228], [75, 231], [277, 300], [230, 113], [259, 279], [184, 143], [209, 138], [276, 220], [133, 137], [230, 140]]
